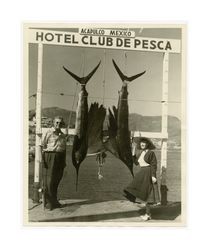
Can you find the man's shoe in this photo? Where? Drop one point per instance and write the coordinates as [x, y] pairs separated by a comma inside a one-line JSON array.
[[57, 205], [49, 206], [156, 204], [145, 217]]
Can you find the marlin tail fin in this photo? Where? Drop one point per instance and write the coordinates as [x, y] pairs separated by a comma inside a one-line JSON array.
[[124, 77], [85, 79]]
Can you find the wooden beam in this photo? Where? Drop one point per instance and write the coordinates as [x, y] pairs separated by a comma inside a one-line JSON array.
[[164, 117], [70, 131], [157, 135], [38, 123]]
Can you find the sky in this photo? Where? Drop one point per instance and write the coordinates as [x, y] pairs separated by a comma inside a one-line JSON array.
[[145, 93]]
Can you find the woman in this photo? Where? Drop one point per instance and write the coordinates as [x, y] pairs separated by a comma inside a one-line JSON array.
[[143, 189]]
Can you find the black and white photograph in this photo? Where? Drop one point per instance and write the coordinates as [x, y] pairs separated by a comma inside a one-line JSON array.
[[104, 128]]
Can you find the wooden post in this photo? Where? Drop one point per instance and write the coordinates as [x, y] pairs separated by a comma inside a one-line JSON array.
[[164, 129], [38, 126]]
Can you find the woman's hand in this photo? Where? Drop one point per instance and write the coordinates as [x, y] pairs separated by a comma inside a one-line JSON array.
[[154, 179]]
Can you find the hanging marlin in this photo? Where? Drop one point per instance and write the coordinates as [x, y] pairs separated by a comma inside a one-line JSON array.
[[119, 142], [80, 143]]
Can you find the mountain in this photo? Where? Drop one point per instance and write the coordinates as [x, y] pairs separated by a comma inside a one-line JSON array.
[[55, 111], [153, 124], [136, 122]]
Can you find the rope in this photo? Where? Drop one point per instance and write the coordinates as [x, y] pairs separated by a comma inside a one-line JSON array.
[[125, 63], [100, 159], [112, 98], [84, 61], [74, 96], [103, 97], [71, 112]]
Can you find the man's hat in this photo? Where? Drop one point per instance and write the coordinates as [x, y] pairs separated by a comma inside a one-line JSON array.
[[150, 144]]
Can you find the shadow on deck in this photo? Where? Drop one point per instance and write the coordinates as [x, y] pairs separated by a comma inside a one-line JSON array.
[[169, 212]]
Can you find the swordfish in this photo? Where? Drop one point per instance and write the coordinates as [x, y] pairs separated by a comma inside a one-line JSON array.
[[80, 143], [119, 142]]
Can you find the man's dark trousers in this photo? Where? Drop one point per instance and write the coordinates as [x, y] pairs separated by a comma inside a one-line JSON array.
[[54, 164]]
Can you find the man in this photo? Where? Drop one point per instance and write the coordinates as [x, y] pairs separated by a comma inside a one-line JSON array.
[[54, 154]]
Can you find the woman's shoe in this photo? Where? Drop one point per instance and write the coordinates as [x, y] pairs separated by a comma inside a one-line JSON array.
[[145, 217]]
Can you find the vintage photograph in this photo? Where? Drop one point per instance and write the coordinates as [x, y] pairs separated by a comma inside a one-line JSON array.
[[104, 129]]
